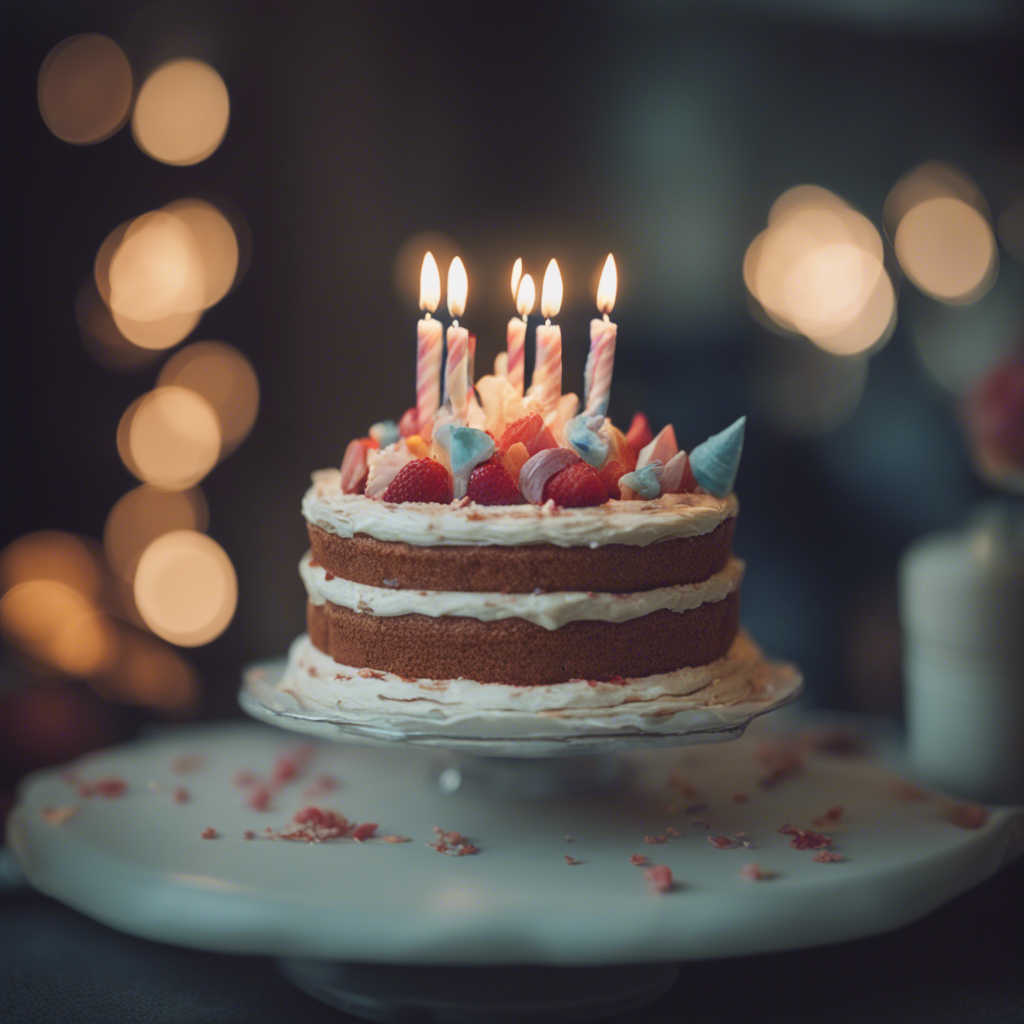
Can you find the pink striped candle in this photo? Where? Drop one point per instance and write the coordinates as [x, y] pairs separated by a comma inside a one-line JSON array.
[[525, 296], [547, 371], [597, 377], [456, 372], [428, 349]]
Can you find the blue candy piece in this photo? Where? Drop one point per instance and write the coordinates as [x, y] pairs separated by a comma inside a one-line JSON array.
[[582, 434], [385, 432], [467, 448], [645, 481], [716, 461]]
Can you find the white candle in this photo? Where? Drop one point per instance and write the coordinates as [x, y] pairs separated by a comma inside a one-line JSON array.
[[547, 371], [456, 370], [597, 378], [428, 349]]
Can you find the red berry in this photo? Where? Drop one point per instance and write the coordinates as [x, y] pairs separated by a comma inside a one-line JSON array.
[[543, 439], [576, 486], [524, 429], [639, 433], [420, 480], [490, 484], [610, 473]]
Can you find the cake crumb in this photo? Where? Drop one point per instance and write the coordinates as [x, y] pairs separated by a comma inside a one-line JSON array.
[[259, 798], [828, 857], [572, 861], [659, 878], [639, 860], [723, 842], [58, 815], [394, 839], [451, 843], [805, 838], [210, 833], [181, 795], [756, 873], [248, 834]]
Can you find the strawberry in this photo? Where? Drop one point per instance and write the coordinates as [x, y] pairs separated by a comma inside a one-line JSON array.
[[354, 468], [490, 484], [541, 440], [639, 433], [576, 486], [524, 429], [420, 480], [609, 474]]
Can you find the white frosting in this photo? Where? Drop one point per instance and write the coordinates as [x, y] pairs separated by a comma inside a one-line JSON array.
[[637, 523], [318, 683], [550, 610]]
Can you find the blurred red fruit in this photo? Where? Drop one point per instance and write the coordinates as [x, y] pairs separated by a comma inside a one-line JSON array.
[[420, 480], [639, 433], [576, 486]]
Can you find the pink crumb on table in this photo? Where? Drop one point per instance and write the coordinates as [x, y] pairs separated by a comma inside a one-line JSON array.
[[828, 857], [830, 817], [723, 842], [181, 795], [259, 798], [110, 786], [366, 830], [659, 878], [805, 838], [967, 815], [248, 834], [210, 833], [185, 763], [755, 873], [639, 860], [453, 844], [572, 861], [394, 839]]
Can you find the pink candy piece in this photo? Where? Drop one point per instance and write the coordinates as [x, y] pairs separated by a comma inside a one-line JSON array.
[[408, 424], [661, 449], [659, 878], [540, 468], [677, 477], [384, 467], [354, 468]]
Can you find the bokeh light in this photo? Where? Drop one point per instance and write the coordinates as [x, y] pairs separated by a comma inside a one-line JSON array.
[[181, 113], [169, 438], [150, 674], [84, 89], [930, 180], [57, 626], [216, 244], [947, 248], [185, 588], [142, 515], [817, 270], [56, 556], [225, 378]]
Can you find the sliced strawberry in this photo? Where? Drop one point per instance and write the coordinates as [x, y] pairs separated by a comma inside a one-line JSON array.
[[639, 433], [420, 480], [490, 484], [541, 441], [354, 468], [619, 448], [609, 474], [524, 429], [409, 423], [576, 486]]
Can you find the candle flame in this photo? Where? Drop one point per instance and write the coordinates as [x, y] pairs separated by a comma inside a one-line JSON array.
[[551, 291], [517, 273], [526, 296], [458, 286], [430, 284], [607, 286]]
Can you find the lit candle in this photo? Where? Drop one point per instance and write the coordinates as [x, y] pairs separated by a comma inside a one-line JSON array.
[[456, 370], [547, 371], [525, 294], [597, 378], [428, 349]]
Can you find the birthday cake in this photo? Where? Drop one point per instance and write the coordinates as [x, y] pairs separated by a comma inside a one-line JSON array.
[[511, 550]]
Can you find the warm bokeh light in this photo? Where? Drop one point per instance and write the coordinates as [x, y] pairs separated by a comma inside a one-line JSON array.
[[101, 337], [551, 291], [817, 270], [607, 286], [185, 588], [216, 243], [430, 283], [142, 515], [58, 626], [458, 287], [169, 438], [181, 113], [149, 674], [947, 248], [409, 263], [85, 89], [225, 378], [52, 555], [930, 180], [156, 270], [156, 335]]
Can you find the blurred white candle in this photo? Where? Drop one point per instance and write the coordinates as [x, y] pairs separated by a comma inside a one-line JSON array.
[[547, 370], [456, 370], [597, 377], [524, 294], [428, 349]]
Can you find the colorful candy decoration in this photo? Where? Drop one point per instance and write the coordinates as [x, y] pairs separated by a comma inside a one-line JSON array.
[[385, 465], [385, 432], [581, 432], [354, 467], [677, 477], [661, 449], [644, 482], [716, 461], [540, 468]]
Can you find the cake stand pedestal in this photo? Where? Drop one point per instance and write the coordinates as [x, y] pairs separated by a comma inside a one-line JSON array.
[[398, 931]]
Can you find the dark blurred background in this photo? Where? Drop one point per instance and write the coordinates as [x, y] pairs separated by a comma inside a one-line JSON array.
[[360, 135]]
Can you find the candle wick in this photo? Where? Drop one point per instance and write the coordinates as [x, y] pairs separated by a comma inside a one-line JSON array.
[[426, 314], [606, 318], [455, 322], [547, 322]]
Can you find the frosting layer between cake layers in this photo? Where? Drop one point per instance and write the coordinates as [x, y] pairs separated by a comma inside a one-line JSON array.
[[523, 595]]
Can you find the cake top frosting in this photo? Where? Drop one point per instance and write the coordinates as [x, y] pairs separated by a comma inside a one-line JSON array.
[[465, 522]]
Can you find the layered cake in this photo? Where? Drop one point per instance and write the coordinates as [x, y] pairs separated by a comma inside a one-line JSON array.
[[505, 552]]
